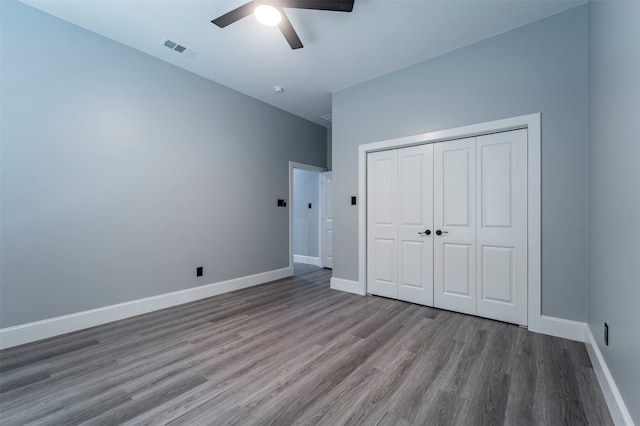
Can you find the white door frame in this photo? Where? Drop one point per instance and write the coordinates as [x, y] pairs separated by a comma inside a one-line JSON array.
[[308, 167], [536, 321], [323, 217]]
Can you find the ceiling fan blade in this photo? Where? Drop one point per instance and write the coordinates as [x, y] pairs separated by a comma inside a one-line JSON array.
[[288, 32], [333, 5], [235, 15]]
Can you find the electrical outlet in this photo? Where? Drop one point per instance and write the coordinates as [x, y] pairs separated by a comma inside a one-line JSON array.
[[199, 271], [606, 334]]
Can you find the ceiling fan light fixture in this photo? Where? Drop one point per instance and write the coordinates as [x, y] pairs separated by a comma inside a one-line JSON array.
[[274, 15], [267, 15]]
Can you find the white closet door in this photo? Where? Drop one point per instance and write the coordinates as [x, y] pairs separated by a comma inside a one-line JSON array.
[[455, 218], [502, 226], [382, 223], [415, 217]]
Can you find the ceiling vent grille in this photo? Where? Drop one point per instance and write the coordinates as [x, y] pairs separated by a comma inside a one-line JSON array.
[[327, 117], [190, 53]]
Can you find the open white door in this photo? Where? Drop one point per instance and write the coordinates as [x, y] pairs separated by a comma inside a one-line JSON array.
[[327, 219]]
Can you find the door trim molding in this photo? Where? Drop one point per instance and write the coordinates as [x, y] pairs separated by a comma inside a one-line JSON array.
[[323, 221], [531, 122], [309, 167]]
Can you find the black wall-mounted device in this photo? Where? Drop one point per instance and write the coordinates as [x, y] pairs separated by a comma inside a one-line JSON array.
[[199, 271], [353, 200], [309, 205], [282, 202]]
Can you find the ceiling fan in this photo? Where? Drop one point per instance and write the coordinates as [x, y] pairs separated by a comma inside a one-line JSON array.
[[271, 12]]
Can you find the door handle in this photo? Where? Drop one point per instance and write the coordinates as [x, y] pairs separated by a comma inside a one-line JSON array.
[[427, 232], [439, 232]]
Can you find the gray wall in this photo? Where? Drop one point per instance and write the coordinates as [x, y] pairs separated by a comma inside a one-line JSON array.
[[541, 67], [614, 191], [122, 173], [306, 221]]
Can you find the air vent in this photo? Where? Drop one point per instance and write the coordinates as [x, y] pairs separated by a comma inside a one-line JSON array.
[[327, 117], [180, 48]]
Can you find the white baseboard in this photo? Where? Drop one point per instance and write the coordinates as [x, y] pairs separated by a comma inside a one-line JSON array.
[[26, 333], [348, 286], [558, 327], [617, 407], [309, 260]]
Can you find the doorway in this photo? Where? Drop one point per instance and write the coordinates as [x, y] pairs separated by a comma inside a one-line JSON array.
[[306, 243]]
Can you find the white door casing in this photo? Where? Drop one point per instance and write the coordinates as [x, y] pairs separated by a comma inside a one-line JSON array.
[[454, 262], [327, 219], [295, 165], [502, 226]]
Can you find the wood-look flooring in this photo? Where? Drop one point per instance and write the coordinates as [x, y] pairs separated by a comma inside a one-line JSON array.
[[296, 352]]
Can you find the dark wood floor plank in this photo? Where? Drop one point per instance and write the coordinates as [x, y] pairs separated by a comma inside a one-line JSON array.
[[442, 410], [427, 368], [380, 397], [466, 363], [33, 412], [254, 397], [520, 403], [229, 392], [20, 381], [295, 351], [585, 381], [558, 394], [344, 402], [489, 401], [378, 402], [87, 408], [12, 362], [390, 419], [281, 408], [134, 407]]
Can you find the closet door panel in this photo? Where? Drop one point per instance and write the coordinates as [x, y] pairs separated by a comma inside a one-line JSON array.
[[415, 189], [456, 273], [502, 226], [455, 219], [382, 223]]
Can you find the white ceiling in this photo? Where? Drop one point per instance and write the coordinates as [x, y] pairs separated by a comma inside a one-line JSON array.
[[341, 49]]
